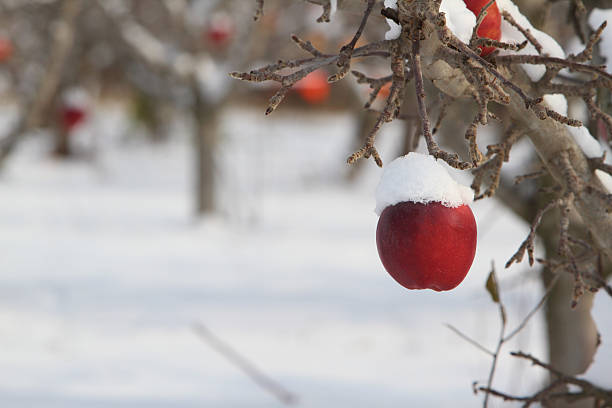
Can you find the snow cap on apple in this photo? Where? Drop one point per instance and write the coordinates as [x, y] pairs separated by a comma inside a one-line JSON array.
[[426, 233], [419, 178]]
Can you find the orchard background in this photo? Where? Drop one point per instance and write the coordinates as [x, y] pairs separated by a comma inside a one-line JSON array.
[[166, 244]]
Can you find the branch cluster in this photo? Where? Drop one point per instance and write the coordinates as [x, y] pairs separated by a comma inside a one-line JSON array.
[[557, 391], [426, 49]]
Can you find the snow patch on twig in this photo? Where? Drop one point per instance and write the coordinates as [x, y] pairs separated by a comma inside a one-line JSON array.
[[511, 34]]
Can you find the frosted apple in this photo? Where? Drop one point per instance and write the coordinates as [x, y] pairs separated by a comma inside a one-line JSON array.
[[426, 234], [490, 27]]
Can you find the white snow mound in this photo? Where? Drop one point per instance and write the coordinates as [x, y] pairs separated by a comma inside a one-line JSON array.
[[511, 34], [421, 179], [394, 29], [459, 19]]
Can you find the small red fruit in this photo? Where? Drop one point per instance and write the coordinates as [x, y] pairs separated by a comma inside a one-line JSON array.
[[6, 49], [72, 116], [75, 108], [220, 30], [426, 246], [491, 24], [313, 88]]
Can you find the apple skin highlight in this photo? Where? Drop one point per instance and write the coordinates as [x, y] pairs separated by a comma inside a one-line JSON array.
[[427, 246]]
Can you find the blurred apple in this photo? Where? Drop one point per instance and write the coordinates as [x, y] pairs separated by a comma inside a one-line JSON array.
[[75, 106], [6, 49], [220, 30], [313, 88], [72, 116]]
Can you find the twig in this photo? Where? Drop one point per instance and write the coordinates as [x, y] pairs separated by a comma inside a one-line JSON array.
[[479, 19], [533, 311], [470, 340], [433, 148], [528, 243], [266, 383], [259, 5], [392, 105], [553, 61], [502, 331], [525, 31], [346, 52]]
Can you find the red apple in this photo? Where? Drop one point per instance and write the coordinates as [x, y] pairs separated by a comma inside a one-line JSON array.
[[220, 30], [72, 116], [6, 49], [313, 88], [426, 246], [491, 24]]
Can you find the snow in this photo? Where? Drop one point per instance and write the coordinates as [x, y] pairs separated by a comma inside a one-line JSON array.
[[76, 97], [605, 179], [105, 271], [213, 80], [459, 19], [556, 102], [334, 7], [419, 178], [512, 35], [589, 145], [394, 29], [596, 18], [599, 371]]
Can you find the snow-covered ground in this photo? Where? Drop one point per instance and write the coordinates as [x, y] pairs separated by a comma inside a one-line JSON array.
[[105, 272]]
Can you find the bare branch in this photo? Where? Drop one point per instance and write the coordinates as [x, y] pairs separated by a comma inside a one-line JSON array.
[[281, 393]]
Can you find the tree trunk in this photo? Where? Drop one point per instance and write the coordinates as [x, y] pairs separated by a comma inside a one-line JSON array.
[[206, 121], [571, 333]]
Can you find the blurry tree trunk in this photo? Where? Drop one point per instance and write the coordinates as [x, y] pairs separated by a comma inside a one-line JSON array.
[[62, 142], [572, 333], [206, 120], [37, 105]]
